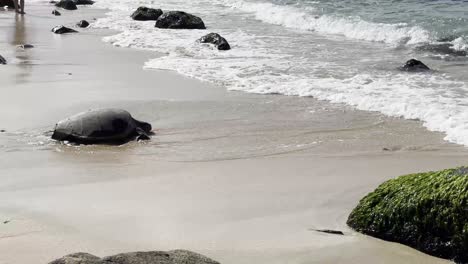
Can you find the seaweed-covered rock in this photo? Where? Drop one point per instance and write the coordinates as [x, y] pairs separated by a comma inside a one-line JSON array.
[[179, 20], [63, 30], [415, 66], [427, 211], [8, 3], [216, 39], [67, 5], [150, 257], [56, 13], [2, 60], [83, 24], [144, 13]]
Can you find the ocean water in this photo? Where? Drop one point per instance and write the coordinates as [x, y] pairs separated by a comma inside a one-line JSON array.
[[343, 51]]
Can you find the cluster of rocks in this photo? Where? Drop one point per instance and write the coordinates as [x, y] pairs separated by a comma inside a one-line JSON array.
[[179, 20], [150, 257]]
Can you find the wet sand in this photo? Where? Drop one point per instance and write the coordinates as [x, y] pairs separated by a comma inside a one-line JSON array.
[[239, 177]]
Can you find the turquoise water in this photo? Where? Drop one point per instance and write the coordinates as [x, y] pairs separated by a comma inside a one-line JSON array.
[[444, 18]]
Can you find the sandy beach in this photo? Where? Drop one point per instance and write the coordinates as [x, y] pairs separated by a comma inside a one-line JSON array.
[[242, 178]]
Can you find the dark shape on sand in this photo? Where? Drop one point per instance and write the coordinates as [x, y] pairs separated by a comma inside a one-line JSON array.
[[427, 211], [2, 60], [179, 20], [145, 13], [101, 126], [25, 46], [83, 2], [63, 30], [56, 13], [329, 231], [216, 39], [414, 66], [2, 130], [83, 24], [150, 257], [9, 3], [67, 5]]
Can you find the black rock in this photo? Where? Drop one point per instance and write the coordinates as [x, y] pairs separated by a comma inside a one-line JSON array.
[[415, 66], [63, 30], [215, 39], [8, 3], [145, 13], [56, 13], [67, 4], [150, 257], [179, 20], [83, 24], [83, 2], [2, 60]]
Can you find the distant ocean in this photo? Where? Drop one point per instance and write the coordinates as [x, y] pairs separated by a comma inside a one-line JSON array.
[[344, 51]]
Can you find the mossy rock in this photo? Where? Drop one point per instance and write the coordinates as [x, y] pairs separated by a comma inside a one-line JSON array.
[[427, 211]]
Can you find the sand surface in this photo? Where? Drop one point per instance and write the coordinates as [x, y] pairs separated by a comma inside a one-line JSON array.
[[241, 178]]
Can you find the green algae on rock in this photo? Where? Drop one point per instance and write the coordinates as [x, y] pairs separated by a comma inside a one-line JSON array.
[[427, 211]]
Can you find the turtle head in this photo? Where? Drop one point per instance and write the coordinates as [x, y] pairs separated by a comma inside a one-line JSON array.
[[144, 126]]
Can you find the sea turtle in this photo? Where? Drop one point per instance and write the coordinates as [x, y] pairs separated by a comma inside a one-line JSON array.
[[101, 126]]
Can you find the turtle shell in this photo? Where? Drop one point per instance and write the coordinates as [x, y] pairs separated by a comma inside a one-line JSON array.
[[97, 126]]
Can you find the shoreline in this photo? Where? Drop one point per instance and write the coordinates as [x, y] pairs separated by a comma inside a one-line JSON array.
[[238, 177]]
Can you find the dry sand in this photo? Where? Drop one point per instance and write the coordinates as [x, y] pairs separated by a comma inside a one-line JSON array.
[[241, 178]]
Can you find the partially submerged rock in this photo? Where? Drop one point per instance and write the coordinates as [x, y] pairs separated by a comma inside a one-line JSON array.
[[63, 30], [56, 13], [83, 24], [2, 60], [144, 13], [67, 5], [101, 126], [415, 66], [179, 20], [216, 39], [150, 257], [427, 211], [83, 2]]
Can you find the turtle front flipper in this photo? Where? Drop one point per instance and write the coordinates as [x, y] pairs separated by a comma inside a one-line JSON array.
[[141, 134]]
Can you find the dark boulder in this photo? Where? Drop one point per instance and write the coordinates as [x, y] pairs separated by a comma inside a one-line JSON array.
[[145, 13], [83, 24], [56, 13], [179, 20], [63, 30], [216, 39], [78, 258], [415, 66], [83, 2], [427, 211], [8, 3], [2, 60], [67, 5], [150, 257]]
